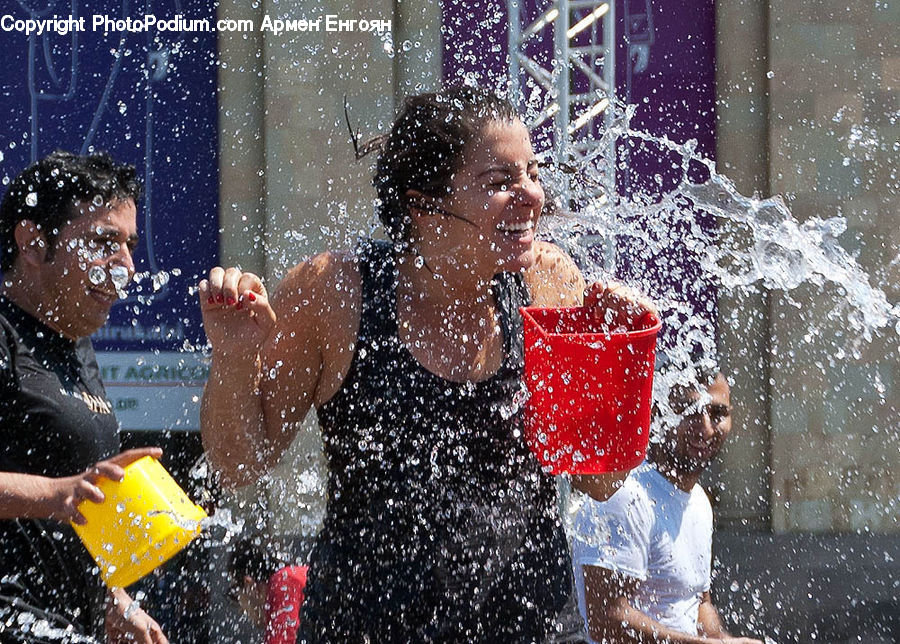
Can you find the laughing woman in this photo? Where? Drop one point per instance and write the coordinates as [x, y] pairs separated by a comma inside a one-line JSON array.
[[440, 526]]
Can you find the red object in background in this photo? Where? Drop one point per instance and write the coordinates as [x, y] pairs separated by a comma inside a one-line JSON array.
[[283, 601], [590, 392]]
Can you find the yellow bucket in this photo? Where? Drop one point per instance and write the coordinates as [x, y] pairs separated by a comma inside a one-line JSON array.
[[145, 520]]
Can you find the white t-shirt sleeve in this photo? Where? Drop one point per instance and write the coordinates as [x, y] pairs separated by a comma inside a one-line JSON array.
[[615, 534]]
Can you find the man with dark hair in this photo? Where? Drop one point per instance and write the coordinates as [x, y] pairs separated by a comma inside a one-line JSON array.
[[48, 194], [68, 228], [642, 558]]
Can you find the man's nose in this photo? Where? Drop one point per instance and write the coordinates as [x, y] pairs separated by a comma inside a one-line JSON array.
[[707, 426], [123, 257]]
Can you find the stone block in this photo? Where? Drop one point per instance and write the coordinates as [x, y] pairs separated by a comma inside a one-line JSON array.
[[886, 12], [880, 40], [811, 516], [810, 41], [794, 106], [865, 514], [881, 107], [790, 416], [797, 178], [838, 107], [890, 73], [813, 75], [861, 211]]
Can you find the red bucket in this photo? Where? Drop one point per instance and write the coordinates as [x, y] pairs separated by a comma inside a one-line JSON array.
[[590, 391]]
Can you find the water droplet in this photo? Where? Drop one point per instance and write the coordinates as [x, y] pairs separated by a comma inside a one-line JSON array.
[[97, 275], [119, 276]]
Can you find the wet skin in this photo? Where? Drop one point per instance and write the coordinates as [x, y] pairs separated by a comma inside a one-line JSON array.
[[497, 197], [55, 287]]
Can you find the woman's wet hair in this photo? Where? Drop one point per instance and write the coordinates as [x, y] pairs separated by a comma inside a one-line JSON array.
[[425, 146], [49, 191]]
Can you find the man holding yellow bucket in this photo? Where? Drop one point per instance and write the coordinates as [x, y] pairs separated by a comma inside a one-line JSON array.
[[67, 232]]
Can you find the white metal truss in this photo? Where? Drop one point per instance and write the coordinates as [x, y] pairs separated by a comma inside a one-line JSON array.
[[576, 85]]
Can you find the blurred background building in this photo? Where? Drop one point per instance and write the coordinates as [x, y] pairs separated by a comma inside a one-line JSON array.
[[793, 97]]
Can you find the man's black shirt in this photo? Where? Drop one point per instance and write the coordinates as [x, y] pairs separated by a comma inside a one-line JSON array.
[[55, 420]]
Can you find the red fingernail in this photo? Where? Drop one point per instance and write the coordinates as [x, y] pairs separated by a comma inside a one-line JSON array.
[[231, 301], [251, 297], [239, 306], [220, 298], [211, 300]]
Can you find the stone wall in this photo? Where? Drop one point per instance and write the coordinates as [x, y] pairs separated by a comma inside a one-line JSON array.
[[829, 139], [834, 127]]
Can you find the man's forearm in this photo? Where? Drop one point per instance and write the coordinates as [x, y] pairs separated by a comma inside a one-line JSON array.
[[708, 621], [627, 625], [24, 496]]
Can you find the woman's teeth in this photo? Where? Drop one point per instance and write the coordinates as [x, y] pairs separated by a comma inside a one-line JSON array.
[[516, 228]]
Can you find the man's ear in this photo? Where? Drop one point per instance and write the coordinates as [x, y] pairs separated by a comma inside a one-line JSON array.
[[30, 242]]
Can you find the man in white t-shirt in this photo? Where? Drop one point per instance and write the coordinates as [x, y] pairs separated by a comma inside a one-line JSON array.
[[642, 558]]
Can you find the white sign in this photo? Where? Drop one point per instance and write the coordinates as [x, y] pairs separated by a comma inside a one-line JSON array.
[[154, 391]]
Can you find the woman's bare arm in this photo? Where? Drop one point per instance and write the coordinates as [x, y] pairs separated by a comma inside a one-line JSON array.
[[270, 361]]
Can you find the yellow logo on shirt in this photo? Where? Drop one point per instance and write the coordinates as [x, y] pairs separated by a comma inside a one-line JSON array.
[[94, 403]]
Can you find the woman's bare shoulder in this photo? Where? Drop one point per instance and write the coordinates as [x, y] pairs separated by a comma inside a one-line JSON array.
[[318, 308], [323, 285], [554, 279]]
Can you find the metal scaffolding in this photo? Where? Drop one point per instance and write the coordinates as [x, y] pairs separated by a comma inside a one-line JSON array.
[[571, 81]]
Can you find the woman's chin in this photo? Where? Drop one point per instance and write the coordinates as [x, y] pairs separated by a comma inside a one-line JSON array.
[[520, 262]]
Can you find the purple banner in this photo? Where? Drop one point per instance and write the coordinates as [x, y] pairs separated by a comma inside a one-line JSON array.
[[148, 97]]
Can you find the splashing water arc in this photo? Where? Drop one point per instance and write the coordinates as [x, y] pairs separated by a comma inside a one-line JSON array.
[[755, 244], [699, 248]]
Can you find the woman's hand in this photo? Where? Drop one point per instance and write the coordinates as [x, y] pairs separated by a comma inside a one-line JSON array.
[[617, 305], [64, 494], [237, 315], [127, 623]]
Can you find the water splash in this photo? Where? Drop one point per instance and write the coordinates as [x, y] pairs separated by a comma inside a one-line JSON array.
[[147, 284], [119, 277], [754, 244], [731, 244], [158, 280], [38, 626], [97, 275]]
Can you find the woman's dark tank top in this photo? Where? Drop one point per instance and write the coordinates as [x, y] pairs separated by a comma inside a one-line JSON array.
[[441, 526]]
